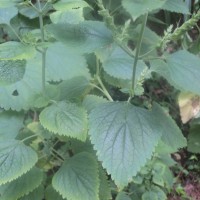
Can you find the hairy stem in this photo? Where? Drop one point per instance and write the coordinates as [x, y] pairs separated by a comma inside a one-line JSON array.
[[44, 49], [137, 54]]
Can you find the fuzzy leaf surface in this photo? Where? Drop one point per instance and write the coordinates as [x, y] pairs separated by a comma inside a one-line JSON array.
[[84, 37], [16, 51], [124, 136], [77, 179], [63, 64], [22, 94], [36, 194], [10, 124], [6, 14], [136, 8], [22, 186], [65, 119], [181, 69], [15, 160]]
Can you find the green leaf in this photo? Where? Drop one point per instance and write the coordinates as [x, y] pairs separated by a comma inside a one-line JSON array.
[[70, 4], [21, 95], [74, 88], [194, 139], [10, 124], [37, 194], [11, 71], [77, 179], [172, 135], [52, 194], [177, 6], [70, 16], [15, 160], [92, 101], [124, 136], [136, 8], [149, 195], [16, 51], [182, 70], [119, 64], [122, 196], [65, 119], [21, 186], [6, 14], [85, 37], [8, 3], [63, 64], [104, 188]]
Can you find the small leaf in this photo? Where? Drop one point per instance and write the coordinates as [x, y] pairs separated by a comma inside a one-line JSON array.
[[6, 14], [63, 64], [21, 186], [65, 119], [124, 136], [77, 179], [16, 51], [136, 8], [52, 194], [11, 71], [10, 124], [194, 139], [84, 37], [8, 3], [15, 160], [36, 194]]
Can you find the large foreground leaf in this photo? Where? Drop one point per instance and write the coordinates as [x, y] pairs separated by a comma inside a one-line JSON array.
[[125, 137], [37, 194], [21, 186], [6, 14], [65, 119], [10, 124], [15, 160], [78, 179], [63, 64], [85, 37]]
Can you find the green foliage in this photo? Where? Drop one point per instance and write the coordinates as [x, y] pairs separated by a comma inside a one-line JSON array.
[[76, 118]]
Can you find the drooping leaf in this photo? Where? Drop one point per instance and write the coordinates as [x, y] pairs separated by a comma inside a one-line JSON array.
[[21, 94], [65, 119], [181, 69], [15, 160], [177, 6], [11, 71], [137, 8], [21, 186], [16, 51], [77, 179], [10, 124], [171, 134], [122, 196], [63, 64], [74, 88], [6, 14], [52, 194], [37, 194], [84, 37], [125, 137]]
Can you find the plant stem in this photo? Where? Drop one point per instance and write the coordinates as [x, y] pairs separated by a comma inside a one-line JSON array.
[[29, 137], [13, 30], [44, 49], [104, 89], [137, 54]]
